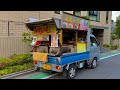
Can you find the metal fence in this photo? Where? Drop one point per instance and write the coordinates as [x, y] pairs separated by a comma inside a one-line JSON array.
[[11, 38]]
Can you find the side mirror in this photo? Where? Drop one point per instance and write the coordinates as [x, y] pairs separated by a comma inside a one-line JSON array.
[[98, 44]]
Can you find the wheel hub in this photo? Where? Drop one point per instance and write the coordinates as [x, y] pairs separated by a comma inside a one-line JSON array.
[[94, 63], [72, 72]]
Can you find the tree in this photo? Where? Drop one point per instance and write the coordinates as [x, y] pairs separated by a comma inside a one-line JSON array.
[[117, 29], [113, 37], [27, 38]]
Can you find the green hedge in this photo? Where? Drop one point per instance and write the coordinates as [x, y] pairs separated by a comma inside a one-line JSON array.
[[106, 46], [15, 60], [112, 47], [12, 69]]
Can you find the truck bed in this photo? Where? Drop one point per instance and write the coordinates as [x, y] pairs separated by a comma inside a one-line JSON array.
[[68, 58]]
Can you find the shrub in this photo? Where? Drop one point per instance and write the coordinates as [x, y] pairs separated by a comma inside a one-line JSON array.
[[106, 46], [15, 63], [16, 68], [113, 47], [5, 71], [4, 62], [22, 58], [15, 60]]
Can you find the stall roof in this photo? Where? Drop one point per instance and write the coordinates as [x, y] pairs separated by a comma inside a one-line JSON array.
[[60, 23], [30, 25]]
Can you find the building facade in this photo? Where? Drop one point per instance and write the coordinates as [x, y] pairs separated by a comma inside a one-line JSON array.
[[12, 26], [100, 21]]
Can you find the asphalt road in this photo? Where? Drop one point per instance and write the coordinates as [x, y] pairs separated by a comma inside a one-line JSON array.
[[108, 68]]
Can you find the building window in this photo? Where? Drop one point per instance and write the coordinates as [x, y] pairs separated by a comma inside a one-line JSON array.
[[94, 15], [57, 12], [107, 14], [76, 13]]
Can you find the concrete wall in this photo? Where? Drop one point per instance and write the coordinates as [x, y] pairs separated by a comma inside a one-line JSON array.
[[12, 45], [106, 36], [20, 16]]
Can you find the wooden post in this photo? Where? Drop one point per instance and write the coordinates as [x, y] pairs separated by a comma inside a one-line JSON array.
[[61, 37], [76, 36], [61, 41]]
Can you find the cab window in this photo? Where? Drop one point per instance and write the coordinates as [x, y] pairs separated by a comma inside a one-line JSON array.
[[93, 41]]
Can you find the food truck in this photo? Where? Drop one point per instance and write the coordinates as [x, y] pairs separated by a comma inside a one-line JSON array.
[[63, 45]]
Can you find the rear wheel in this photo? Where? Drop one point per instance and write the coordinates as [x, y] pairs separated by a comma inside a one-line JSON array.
[[71, 72], [94, 63]]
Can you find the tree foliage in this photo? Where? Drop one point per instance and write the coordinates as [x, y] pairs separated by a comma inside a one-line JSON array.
[[27, 38], [113, 36], [117, 29]]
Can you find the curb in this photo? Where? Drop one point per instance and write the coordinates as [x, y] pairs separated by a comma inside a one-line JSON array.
[[17, 73]]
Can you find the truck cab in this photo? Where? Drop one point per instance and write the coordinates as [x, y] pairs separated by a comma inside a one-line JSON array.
[[94, 50]]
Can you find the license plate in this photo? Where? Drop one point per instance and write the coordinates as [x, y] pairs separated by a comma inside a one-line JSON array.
[[46, 66]]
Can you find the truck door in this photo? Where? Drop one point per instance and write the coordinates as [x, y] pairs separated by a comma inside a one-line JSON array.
[[94, 48]]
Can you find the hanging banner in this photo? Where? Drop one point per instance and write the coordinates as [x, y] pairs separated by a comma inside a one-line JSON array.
[[74, 22], [46, 29], [54, 40]]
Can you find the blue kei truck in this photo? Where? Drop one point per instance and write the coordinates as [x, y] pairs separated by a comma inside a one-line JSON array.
[[63, 44]]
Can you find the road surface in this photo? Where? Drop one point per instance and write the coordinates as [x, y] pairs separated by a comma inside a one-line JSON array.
[[108, 68]]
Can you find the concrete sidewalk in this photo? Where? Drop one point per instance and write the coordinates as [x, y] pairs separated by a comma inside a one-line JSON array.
[[110, 52]]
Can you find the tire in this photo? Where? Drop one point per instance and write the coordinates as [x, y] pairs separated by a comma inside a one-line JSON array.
[[94, 63], [71, 72], [65, 71]]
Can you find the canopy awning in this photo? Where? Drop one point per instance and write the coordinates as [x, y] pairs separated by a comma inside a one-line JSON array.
[[31, 25]]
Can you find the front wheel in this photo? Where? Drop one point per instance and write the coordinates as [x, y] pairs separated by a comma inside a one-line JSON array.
[[71, 72], [94, 63]]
